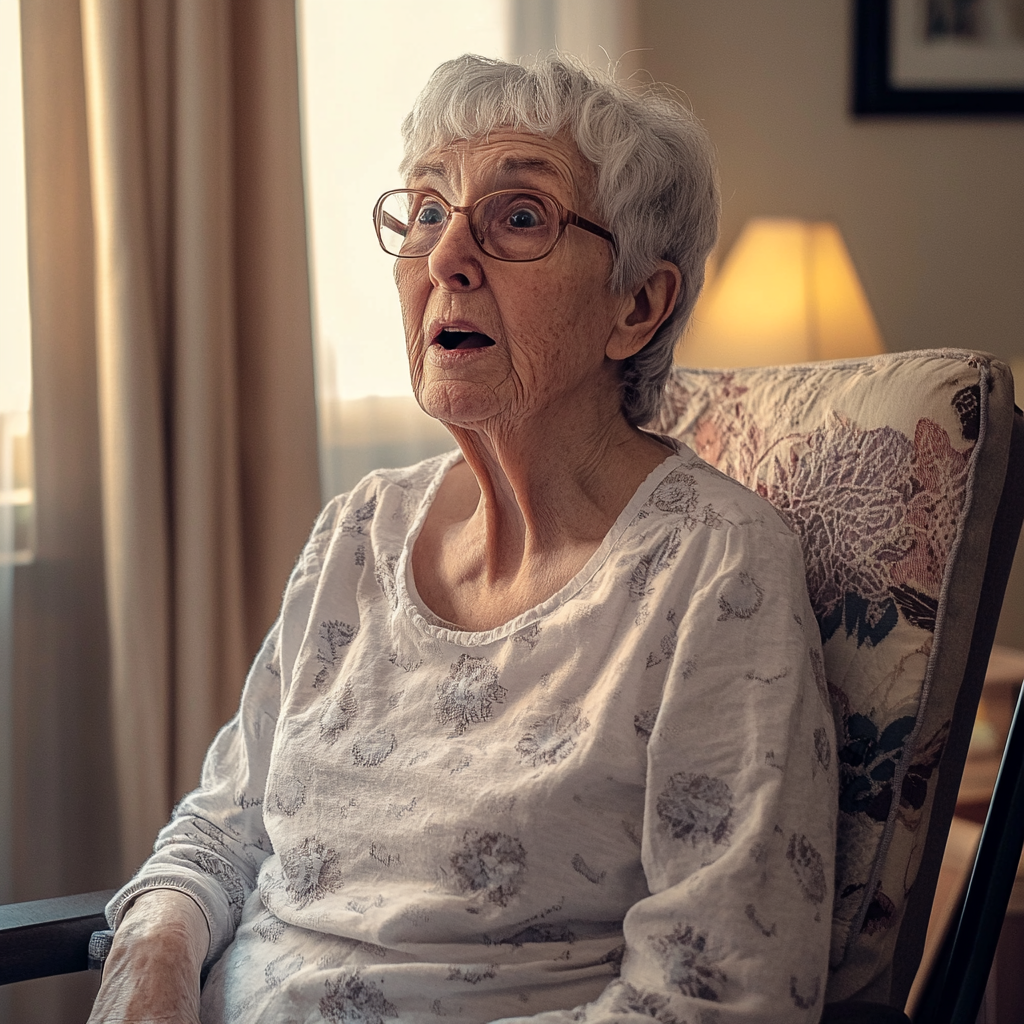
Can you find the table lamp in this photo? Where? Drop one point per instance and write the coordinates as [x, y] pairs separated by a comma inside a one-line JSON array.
[[786, 293]]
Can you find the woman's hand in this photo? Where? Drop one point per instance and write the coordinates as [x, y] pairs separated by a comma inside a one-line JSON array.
[[152, 972]]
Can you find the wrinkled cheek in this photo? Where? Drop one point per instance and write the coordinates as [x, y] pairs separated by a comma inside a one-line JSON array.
[[542, 368], [415, 368], [412, 295], [413, 288], [414, 350]]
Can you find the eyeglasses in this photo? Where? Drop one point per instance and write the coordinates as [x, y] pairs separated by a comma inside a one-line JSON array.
[[513, 225]]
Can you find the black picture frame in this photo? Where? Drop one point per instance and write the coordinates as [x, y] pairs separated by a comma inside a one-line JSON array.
[[873, 91]]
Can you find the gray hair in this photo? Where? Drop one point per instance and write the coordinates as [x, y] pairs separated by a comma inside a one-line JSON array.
[[657, 186]]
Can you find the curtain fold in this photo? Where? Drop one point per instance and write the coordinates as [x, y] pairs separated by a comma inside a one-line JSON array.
[[277, 411], [131, 417], [203, 363], [209, 652]]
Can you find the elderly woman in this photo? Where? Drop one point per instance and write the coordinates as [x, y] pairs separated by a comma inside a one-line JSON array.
[[540, 731]]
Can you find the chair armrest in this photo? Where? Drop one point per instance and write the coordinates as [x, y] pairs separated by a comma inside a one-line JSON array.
[[47, 937]]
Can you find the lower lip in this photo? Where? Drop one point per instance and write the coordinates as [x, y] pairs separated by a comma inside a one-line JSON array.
[[441, 356]]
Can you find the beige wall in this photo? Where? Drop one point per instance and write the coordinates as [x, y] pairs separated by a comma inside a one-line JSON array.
[[932, 209]]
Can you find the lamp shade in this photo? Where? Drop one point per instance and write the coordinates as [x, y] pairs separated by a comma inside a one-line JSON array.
[[787, 293]]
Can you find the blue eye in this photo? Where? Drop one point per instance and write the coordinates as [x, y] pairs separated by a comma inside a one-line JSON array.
[[430, 214], [524, 218]]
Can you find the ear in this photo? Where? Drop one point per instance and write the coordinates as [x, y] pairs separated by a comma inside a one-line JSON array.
[[644, 311]]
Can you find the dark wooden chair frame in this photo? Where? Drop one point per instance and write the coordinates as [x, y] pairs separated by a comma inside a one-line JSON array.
[[957, 981]]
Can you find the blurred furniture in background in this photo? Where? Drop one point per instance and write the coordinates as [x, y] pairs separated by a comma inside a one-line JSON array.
[[995, 712], [1004, 995]]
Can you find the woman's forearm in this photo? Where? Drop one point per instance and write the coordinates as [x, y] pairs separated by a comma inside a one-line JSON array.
[[152, 972]]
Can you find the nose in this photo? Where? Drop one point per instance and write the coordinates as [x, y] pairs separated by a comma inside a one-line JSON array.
[[454, 262]]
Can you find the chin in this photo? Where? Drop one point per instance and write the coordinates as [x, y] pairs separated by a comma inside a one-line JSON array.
[[458, 403]]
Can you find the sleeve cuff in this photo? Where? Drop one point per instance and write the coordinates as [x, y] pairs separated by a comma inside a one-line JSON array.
[[220, 924]]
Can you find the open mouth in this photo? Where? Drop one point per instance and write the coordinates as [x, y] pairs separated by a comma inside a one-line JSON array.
[[450, 339]]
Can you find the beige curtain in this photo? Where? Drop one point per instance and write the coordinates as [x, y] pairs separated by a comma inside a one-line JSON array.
[[64, 828], [176, 463], [207, 423]]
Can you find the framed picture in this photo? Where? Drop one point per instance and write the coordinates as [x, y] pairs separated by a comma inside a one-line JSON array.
[[938, 57]]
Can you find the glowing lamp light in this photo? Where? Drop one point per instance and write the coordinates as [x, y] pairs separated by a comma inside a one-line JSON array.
[[787, 293]]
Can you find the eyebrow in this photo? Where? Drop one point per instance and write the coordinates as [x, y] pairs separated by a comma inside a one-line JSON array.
[[513, 164], [430, 171]]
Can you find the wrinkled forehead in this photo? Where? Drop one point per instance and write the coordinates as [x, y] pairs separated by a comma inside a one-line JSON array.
[[505, 159]]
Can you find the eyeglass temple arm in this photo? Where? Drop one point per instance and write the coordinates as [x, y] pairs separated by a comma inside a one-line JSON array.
[[391, 222], [589, 225]]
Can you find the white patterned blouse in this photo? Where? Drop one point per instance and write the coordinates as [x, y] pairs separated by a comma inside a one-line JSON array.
[[619, 805]]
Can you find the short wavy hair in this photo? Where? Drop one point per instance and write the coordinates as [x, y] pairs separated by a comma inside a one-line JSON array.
[[657, 183]]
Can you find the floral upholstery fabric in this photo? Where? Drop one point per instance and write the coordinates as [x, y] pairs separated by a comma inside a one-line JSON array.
[[870, 461]]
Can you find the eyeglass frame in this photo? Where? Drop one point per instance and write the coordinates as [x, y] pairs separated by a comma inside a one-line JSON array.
[[565, 217]]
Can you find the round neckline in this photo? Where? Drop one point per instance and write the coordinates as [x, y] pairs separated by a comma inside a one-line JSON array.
[[412, 605]]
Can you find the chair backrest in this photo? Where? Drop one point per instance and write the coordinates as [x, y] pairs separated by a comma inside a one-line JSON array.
[[890, 470]]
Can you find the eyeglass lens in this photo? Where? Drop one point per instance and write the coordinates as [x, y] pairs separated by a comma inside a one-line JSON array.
[[509, 225]]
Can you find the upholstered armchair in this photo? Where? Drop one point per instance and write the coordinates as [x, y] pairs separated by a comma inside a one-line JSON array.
[[903, 476], [891, 470]]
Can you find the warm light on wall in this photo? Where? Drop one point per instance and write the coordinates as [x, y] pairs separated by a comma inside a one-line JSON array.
[[787, 293]]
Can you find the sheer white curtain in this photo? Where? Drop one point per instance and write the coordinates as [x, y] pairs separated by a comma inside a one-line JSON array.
[[362, 66]]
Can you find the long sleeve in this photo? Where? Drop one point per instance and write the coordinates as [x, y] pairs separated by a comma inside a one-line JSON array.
[[216, 840], [739, 819], [618, 805]]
